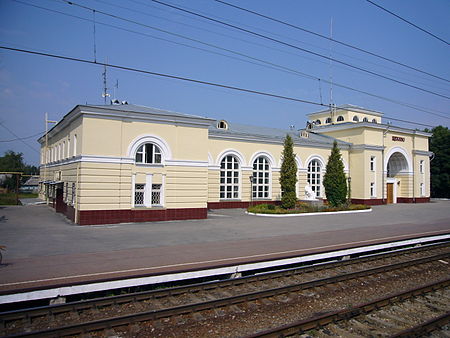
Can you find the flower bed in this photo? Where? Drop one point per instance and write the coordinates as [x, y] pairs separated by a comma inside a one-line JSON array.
[[302, 207]]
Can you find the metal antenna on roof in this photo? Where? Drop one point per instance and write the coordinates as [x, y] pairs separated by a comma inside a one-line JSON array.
[[116, 88], [332, 105], [105, 94]]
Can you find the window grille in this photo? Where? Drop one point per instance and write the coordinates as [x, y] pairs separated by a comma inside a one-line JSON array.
[[229, 178], [314, 176], [261, 171], [148, 153], [156, 194], [139, 194]]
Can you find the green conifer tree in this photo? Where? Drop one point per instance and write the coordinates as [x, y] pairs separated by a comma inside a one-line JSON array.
[[288, 175], [334, 181]]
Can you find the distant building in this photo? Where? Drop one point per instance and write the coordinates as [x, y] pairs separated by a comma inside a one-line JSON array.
[[31, 185], [129, 163]]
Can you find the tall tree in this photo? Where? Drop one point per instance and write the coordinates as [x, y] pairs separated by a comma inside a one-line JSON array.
[[440, 165], [288, 174], [334, 181], [11, 162]]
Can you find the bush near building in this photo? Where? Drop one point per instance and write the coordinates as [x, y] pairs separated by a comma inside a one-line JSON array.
[[288, 175], [334, 181]]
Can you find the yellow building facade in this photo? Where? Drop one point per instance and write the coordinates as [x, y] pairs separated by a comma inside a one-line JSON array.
[[128, 163]]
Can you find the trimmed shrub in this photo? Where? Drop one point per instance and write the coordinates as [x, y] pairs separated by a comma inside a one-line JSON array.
[[334, 181], [288, 174]]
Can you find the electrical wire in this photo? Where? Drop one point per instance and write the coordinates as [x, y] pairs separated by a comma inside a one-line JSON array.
[[263, 63], [331, 39], [22, 138], [288, 45], [408, 22], [137, 70]]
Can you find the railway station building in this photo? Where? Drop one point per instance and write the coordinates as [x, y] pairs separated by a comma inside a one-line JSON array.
[[120, 163]]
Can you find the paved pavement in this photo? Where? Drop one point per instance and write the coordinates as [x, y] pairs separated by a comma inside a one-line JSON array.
[[44, 245]]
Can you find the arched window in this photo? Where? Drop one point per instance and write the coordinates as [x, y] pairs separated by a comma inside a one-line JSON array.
[[328, 120], [148, 153], [261, 181], [374, 121], [317, 121], [365, 119], [356, 118], [222, 124], [315, 176], [340, 118], [229, 177]]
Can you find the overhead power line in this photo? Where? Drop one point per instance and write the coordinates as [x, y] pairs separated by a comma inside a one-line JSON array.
[[260, 62], [289, 45], [22, 138], [137, 70], [408, 22], [331, 39], [163, 75]]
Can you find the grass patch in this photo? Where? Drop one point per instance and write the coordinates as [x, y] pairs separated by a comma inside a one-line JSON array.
[[10, 198], [302, 207]]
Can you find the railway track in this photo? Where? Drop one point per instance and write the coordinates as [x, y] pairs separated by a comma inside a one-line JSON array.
[[413, 313], [197, 302]]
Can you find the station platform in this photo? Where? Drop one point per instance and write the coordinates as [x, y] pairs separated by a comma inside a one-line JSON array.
[[61, 256]]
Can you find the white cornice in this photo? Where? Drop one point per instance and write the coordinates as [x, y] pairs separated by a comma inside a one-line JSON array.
[[366, 147], [384, 127], [423, 152]]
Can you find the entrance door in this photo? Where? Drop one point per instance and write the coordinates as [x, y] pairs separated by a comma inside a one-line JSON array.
[[390, 193]]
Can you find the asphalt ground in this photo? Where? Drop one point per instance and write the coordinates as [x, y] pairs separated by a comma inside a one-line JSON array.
[[44, 246]]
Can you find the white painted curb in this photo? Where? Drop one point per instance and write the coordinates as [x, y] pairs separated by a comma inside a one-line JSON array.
[[311, 213]]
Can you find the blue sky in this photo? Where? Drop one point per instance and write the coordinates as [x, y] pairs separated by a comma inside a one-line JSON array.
[[32, 85]]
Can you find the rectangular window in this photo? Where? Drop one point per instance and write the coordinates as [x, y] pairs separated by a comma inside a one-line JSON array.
[[156, 194], [421, 165], [73, 193], [372, 163], [372, 189], [139, 195], [422, 189]]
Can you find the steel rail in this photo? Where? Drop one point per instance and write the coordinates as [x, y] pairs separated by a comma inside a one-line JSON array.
[[426, 327], [112, 322], [302, 326], [83, 305]]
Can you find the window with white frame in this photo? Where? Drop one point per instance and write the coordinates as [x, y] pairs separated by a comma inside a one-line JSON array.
[[422, 189], [372, 189], [229, 178], [340, 118], [148, 153], [139, 192], [355, 118], [372, 163], [156, 194], [261, 180], [328, 120], [68, 147], [315, 176], [421, 165]]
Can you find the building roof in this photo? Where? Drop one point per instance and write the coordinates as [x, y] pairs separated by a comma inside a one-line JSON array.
[[349, 107], [249, 133], [142, 109]]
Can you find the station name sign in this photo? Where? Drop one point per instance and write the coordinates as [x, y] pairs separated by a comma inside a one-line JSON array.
[[398, 138]]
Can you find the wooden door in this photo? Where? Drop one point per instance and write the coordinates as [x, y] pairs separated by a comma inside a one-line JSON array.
[[390, 193]]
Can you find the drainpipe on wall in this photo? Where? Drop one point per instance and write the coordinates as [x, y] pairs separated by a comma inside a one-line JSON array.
[[382, 168], [76, 194]]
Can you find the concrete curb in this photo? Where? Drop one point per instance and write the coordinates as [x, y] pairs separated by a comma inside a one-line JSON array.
[[311, 213]]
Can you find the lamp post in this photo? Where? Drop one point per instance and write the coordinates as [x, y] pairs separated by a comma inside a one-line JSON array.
[[251, 189]]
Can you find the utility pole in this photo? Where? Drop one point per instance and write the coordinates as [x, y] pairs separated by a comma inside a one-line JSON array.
[[46, 159]]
